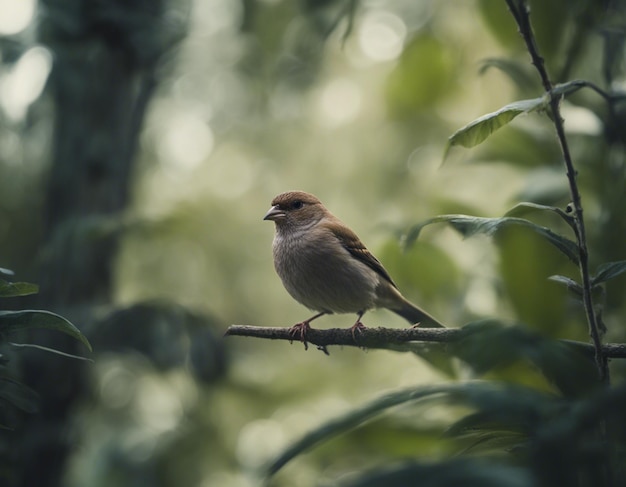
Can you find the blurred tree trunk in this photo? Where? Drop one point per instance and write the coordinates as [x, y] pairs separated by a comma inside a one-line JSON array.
[[106, 56]]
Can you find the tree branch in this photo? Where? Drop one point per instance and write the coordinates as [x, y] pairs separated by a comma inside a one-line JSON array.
[[397, 339], [520, 11]]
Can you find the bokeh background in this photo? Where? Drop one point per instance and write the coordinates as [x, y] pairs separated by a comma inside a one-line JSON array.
[[140, 146]]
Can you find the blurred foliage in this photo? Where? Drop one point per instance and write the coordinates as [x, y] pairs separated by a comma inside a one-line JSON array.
[[354, 101], [170, 336], [17, 399], [546, 439], [408, 90]]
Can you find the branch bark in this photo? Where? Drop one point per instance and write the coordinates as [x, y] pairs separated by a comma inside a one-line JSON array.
[[397, 339]]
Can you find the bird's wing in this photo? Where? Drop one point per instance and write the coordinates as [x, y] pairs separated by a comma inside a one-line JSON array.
[[351, 242]]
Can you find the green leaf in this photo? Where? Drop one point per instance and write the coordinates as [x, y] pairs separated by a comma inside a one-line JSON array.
[[571, 285], [609, 270], [570, 368], [565, 366], [498, 399], [458, 471], [472, 225], [18, 395], [13, 321], [479, 432], [526, 207], [506, 345], [351, 420], [478, 130], [13, 289], [49, 350]]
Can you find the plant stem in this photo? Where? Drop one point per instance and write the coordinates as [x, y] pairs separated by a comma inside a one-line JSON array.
[[520, 12]]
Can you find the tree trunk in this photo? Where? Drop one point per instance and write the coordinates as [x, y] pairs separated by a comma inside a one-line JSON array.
[[106, 56]]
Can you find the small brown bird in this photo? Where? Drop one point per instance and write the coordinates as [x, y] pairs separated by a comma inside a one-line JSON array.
[[326, 267]]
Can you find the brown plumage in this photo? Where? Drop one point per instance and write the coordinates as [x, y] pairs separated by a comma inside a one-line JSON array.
[[325, 266]]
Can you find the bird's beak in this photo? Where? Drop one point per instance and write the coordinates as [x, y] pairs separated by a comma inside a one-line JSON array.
[[274, 213]]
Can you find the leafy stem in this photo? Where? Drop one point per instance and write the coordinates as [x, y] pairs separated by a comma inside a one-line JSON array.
[[520, 11]]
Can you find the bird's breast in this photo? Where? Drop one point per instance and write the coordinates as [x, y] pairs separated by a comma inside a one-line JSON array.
[[322, 275]]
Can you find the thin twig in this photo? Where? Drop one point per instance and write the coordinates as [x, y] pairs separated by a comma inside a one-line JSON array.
[[520, 12], [398, 339]]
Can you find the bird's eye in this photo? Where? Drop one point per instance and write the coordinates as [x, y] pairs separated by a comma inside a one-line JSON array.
[[296, 205]]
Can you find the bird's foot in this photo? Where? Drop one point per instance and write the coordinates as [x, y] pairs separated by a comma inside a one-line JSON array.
[[357, 328], [299, 332], [416, 325]]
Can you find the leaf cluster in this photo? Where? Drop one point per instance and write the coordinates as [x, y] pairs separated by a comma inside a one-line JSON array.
[[538, 417], [14, 395], [512, 435], [545, 412]]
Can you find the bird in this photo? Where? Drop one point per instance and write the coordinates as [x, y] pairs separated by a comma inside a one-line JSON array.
[[324, 266]]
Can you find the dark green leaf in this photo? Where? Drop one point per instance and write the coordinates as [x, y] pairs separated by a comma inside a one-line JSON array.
[[13, 321], [18, 395], [494, 441], [609, 270], [501, 400], [526, 207], [571, 285], [519, 407], [12, 289], [605, 404], [459, 471], [478, 130], [472, 225], [351, 420], [49, 350], [570, 368], [480, 432], [505, 345], [479, 421], [567, 367]]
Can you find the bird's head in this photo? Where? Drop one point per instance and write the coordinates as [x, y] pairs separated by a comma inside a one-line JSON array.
[[295, 209]]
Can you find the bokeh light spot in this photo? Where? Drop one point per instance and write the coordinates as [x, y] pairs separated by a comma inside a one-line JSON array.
[[23, 84], [580, 120], [231, 173], [340, 102], [16, 15], [258, 440], [187, 141], [381, 35], [118, 384]]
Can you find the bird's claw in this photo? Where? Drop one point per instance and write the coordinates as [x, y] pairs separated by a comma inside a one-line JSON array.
[[299, 332], [358, 327]]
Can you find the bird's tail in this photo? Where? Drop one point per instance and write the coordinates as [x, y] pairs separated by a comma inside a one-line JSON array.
[[417, 316]]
